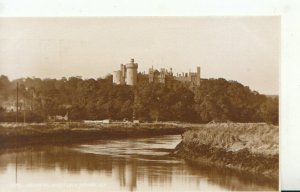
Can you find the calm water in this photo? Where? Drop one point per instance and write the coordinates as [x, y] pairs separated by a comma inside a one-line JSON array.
[[117, 165]]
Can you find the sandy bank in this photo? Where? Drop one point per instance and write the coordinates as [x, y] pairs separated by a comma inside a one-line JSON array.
[[251, 147]]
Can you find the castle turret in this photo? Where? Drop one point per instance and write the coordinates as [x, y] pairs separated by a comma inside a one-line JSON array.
[[117, 77], [131, 73], [123, 71]]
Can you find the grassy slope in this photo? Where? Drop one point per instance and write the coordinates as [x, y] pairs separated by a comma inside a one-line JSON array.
[[246, 146]]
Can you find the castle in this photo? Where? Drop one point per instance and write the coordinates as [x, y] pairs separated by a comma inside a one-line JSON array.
[[127, 75], [191, 79], [162, 76]]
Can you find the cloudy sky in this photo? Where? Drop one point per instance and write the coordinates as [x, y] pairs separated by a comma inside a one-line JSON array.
[[245, 49]]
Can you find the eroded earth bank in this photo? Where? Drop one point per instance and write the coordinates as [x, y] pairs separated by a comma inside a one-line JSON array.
[[251, 147]]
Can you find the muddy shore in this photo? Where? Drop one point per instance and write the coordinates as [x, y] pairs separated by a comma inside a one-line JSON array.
[[18, 135]]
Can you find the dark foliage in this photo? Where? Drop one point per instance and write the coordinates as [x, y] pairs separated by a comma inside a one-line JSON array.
[[215, 99]]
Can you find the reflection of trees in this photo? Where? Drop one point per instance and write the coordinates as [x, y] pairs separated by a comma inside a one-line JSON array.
[[156, 173], [49, 157], [232, 179], [128, 171]]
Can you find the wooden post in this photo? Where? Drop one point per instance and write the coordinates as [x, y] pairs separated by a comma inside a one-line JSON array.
[[17, 101], [24, 113], [16, 168], [24, 107]]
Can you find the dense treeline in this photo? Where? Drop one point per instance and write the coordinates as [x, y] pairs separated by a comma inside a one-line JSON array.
[[82, 99]]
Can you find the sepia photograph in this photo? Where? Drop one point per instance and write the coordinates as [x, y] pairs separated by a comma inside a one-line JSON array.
[[160, 103]]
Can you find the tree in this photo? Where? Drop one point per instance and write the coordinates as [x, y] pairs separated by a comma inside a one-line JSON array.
[[269, 110]]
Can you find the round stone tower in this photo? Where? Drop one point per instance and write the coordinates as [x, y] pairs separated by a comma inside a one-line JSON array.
[[131, 73]]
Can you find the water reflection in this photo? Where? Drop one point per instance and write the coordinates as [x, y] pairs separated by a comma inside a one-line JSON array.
[[128, 165]]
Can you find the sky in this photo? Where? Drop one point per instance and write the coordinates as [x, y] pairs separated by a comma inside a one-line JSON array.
[[245, 49]]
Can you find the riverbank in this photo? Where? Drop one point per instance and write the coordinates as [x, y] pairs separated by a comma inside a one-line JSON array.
[[16, 135], [251, 147]]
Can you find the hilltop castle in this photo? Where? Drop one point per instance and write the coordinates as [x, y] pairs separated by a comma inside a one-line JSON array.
[[127, 75]]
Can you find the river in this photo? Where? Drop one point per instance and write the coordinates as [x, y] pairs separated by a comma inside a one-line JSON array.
[[139, 164]]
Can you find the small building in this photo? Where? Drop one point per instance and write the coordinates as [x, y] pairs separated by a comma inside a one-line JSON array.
[[136, 121], [58, 117], [11, 105], [105, 121]]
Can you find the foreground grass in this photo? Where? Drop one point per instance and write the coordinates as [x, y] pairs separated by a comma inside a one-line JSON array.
[[251, 147]]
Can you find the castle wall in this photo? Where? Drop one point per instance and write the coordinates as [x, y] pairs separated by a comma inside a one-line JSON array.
[[190, 80], [117, 77]]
